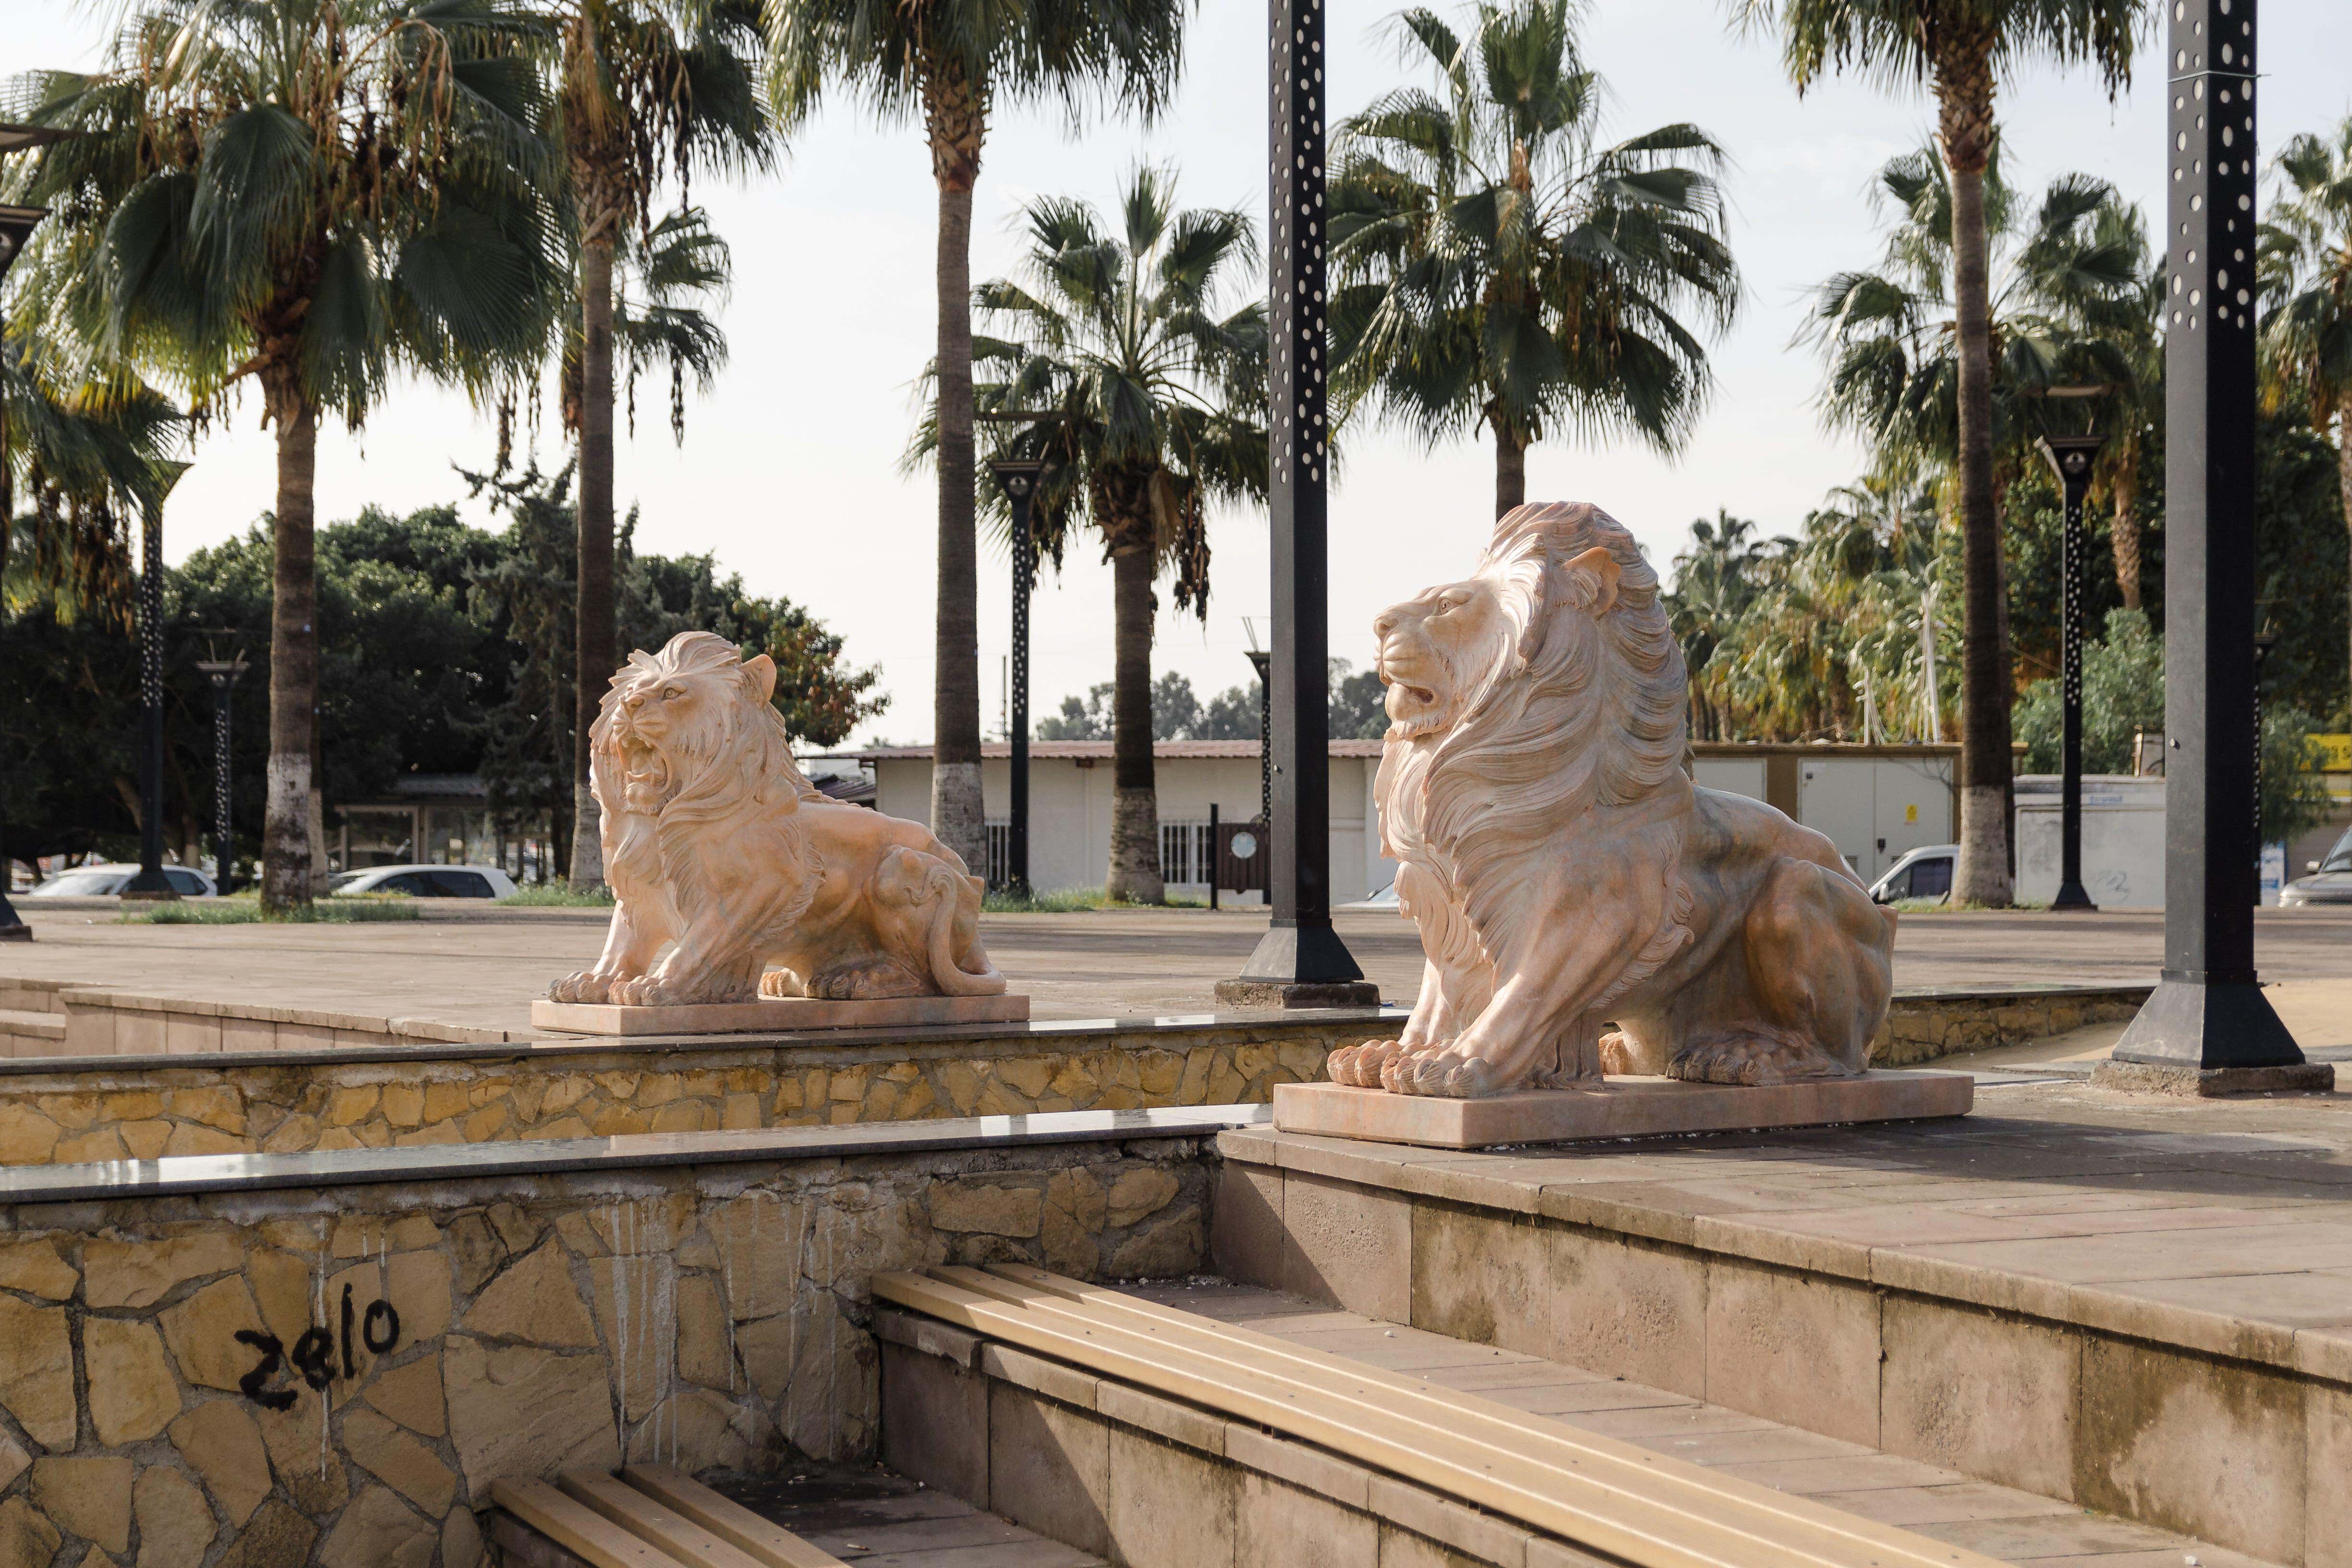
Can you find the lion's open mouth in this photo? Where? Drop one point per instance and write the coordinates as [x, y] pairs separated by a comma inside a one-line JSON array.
[[643, 769]]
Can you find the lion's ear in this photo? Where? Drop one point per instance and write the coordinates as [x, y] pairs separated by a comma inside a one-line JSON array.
[[1604, 569], [762, 671]]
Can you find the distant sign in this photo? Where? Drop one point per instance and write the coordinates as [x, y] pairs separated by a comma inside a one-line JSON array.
[[2337, 750]]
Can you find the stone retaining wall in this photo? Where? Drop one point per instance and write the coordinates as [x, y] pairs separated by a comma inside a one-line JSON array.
[[113, 1109], [1932, 1022], [334, 1372]]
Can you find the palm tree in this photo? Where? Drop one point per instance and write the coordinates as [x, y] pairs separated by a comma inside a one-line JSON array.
[[313, 194], [1497, 265], [647, 89], [2306, 274], [1714, 581], [952, 61], [1160, 394], [1959, 49]]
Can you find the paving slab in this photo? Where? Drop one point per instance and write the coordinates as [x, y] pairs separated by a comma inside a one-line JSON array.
[[875, 1519]]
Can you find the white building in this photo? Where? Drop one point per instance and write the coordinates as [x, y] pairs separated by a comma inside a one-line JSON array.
[[1873, 802]]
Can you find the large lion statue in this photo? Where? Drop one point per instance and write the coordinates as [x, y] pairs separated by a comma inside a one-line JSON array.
[[720, 851], [1565, 872]]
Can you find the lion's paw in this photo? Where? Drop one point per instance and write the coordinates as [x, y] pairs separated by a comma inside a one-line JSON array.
[[1450, 1074], [587, 986], [1617, 1055], [1360, 1066], [1753, 1061]]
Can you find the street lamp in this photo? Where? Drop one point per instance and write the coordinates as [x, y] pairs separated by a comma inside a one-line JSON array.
[[151, 882], [2071, 457], [2207, 1028], [16, 226], [224, 673], [1017, 477]]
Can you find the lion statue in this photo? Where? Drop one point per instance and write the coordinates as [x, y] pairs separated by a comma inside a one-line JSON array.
[[720, 851], [1565, 872]]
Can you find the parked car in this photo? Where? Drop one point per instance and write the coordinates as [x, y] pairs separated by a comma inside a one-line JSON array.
[[1923, 873], [1386, 898], [2331, 884], [105, 881], [424, 881]]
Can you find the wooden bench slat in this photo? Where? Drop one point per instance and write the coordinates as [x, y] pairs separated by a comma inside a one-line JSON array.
[[574, 1528], [649, 1521], [764, 1542], [1596, 1500], [1472, 1414]]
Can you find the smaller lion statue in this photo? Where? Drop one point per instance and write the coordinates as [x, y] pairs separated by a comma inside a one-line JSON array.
[[734, 878], [1565, 872]]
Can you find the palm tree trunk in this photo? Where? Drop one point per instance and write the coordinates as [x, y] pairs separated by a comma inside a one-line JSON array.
[[594, 657], [1134, 795], [1510, 470], [954, 113], [1964, 89], [2344, 471], [293, 659], [2123, 530]]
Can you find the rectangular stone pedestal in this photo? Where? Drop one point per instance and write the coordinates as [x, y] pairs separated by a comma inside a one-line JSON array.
[[1616, 1108], [774, 1015]]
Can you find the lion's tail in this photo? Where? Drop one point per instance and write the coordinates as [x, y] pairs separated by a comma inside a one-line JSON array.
[[948, 973]]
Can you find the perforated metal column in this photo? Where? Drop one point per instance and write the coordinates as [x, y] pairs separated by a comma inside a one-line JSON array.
[[1024, 582], [224, 845], [151, 699], [2208, 1011]]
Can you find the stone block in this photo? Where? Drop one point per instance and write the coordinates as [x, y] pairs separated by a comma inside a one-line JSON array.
[[137, 1034], [13, 1461], [411, 1394], [1481, 1276], [760, 1239], [1404, 1549], [25, 1536], [1170, 1508], [141, 1273], [526, 1411], [1169, 1249], [1630, 1308], [705, 1348], [2210, 1448], [221, 1443], [417, 1286], [311, 1471], [1992, 1397], [132, 1395], [1347, 1246], [202, 1333], [37, 1375], [2327, 1500], [986, 1207], [1481, 1536], [935, 1420], [1169, 1418], [89, 1497], [1341, 1480], [1275, 1522], [1793, 1348], [276, 1537], [534, 1300], [1246, 1238], [1072, 1222], [635, 1306], [1139, 1193], [1048, 1468], [380, 1532], [394, 1457], [27, 1137], [184, 1036], [35, 1268], [175, 1523]]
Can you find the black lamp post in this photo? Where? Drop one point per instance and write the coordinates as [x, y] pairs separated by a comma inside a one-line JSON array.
[[151, 882], [1300, 961], [1018, 480], [16, 225], [224, 673], [2072, 456], [2208, 1027], [1261, 661]]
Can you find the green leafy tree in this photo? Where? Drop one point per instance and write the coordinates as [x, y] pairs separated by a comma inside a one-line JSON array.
[[644, 90], [1159, 393], [954, 61], [1496, 264], [1959, 50], [315, 195], [2306, 268], [1715, 581]]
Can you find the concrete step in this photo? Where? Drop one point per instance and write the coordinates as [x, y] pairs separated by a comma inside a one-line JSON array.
[[30, 1026]]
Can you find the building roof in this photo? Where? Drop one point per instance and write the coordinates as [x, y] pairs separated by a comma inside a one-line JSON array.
[[1099, 750]]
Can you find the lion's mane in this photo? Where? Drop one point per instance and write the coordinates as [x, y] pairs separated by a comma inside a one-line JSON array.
[[736, 761], [1585, 712]]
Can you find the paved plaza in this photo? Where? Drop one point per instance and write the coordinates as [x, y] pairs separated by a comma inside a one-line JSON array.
[[477, 964]]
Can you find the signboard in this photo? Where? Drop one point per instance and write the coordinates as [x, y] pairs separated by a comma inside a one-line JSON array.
[[2338, 750]]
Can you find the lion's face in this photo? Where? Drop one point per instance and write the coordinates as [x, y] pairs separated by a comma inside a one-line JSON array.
[[1439, 649], [668, 721]]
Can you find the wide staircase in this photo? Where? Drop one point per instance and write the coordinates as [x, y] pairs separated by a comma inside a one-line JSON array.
[[1212, 1424]]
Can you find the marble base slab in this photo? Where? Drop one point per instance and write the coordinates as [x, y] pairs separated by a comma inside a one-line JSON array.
[[1614, 1107], [772, 1014]]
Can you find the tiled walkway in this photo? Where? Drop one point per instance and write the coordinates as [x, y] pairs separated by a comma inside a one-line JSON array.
[[873, 1519], [2015, 1526]]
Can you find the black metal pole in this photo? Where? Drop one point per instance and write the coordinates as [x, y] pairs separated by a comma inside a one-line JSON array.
[[224, 845], [151, 882], [1301, 960], [1025, 579], [2208, 1022], [1263, 663], [2072, 456]]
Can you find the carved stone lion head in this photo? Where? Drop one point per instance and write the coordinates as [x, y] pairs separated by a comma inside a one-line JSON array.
[[670, 716]]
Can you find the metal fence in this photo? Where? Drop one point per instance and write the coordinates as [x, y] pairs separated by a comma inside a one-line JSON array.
[[1187, 854]]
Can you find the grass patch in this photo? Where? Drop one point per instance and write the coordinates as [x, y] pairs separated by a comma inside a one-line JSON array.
[[241, 911], [559, 896], [1072, 901]]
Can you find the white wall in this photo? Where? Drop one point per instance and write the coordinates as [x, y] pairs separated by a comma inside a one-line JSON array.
[[2123, 841]]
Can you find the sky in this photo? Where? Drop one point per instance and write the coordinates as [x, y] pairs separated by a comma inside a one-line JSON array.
[[790, 471]]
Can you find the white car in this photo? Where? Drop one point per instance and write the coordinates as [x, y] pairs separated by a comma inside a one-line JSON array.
[[424, 881], [105, 881], [1922, 873], [2332, 883]]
